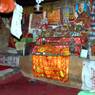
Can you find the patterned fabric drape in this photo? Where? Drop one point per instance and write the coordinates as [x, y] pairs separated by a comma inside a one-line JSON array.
[[93, 17]]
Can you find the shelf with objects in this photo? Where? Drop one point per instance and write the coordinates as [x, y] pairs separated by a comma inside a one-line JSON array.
[[52, 54], [50, 62], [55, 57]]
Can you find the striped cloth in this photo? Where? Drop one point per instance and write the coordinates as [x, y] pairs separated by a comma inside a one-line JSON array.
[[93, 17]]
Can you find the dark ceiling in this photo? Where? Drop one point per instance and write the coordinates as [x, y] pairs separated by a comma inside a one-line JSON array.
[[26, 3]]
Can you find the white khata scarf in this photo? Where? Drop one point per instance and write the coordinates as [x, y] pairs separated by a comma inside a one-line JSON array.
[[16, 21]]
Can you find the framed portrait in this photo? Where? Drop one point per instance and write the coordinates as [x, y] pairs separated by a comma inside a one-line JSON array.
[[92, 48], [36, 20], [54, 17]]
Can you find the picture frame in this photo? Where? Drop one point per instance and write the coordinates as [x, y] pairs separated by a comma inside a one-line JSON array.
[[84, 53], [54, 17], [35, 22], [92, 47]]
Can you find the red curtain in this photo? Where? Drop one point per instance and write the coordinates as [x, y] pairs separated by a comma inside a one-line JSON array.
[[7, 6]]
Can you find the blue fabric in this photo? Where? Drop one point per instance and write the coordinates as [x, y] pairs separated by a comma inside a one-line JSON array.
[[93, 25], [77, 7], [85, 7], [93, 15]]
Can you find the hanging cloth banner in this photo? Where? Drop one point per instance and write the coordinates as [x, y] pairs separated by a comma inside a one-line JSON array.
[[16, 21], [93, 17], [91, 1], [7, 6], [85, 7], [88, 75], [30, 20]]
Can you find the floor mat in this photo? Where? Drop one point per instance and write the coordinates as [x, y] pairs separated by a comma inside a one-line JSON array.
[[6, 71], [21, 86], [4, 67]]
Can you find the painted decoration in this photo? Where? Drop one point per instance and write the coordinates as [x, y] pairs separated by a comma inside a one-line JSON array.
[[36, 20], [54, 17], [51, 66]]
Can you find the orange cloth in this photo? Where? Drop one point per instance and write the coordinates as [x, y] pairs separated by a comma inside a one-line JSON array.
[[7, 6], [53, 67]]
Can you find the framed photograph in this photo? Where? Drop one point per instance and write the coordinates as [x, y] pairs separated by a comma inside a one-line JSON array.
[[93, 50], [36, 20], [92, 47], [54, 17], [83, 53], [91, 54]]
